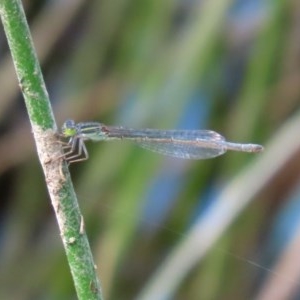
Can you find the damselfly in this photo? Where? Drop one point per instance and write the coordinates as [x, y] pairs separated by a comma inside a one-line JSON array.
[[187, 144]]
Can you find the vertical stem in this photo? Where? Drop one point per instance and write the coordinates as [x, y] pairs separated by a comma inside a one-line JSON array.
[[58, 180]]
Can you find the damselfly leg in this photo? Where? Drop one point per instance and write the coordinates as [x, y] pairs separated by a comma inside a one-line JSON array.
[[76, 150]]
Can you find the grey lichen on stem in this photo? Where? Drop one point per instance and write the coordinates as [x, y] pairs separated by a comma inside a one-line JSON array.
[[49, 150]]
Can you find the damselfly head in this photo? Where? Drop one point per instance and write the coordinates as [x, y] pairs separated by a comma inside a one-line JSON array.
[[69, 128]]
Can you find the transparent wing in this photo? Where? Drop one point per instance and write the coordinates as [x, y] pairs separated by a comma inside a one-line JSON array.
[[188, 144]]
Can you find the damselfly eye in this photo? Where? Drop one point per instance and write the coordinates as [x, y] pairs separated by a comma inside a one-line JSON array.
[[69, 124]]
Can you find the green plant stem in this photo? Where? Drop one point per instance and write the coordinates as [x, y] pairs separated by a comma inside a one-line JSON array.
[[58, 180]]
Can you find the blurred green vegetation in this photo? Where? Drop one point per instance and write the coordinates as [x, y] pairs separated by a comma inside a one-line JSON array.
[[230, 66]]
